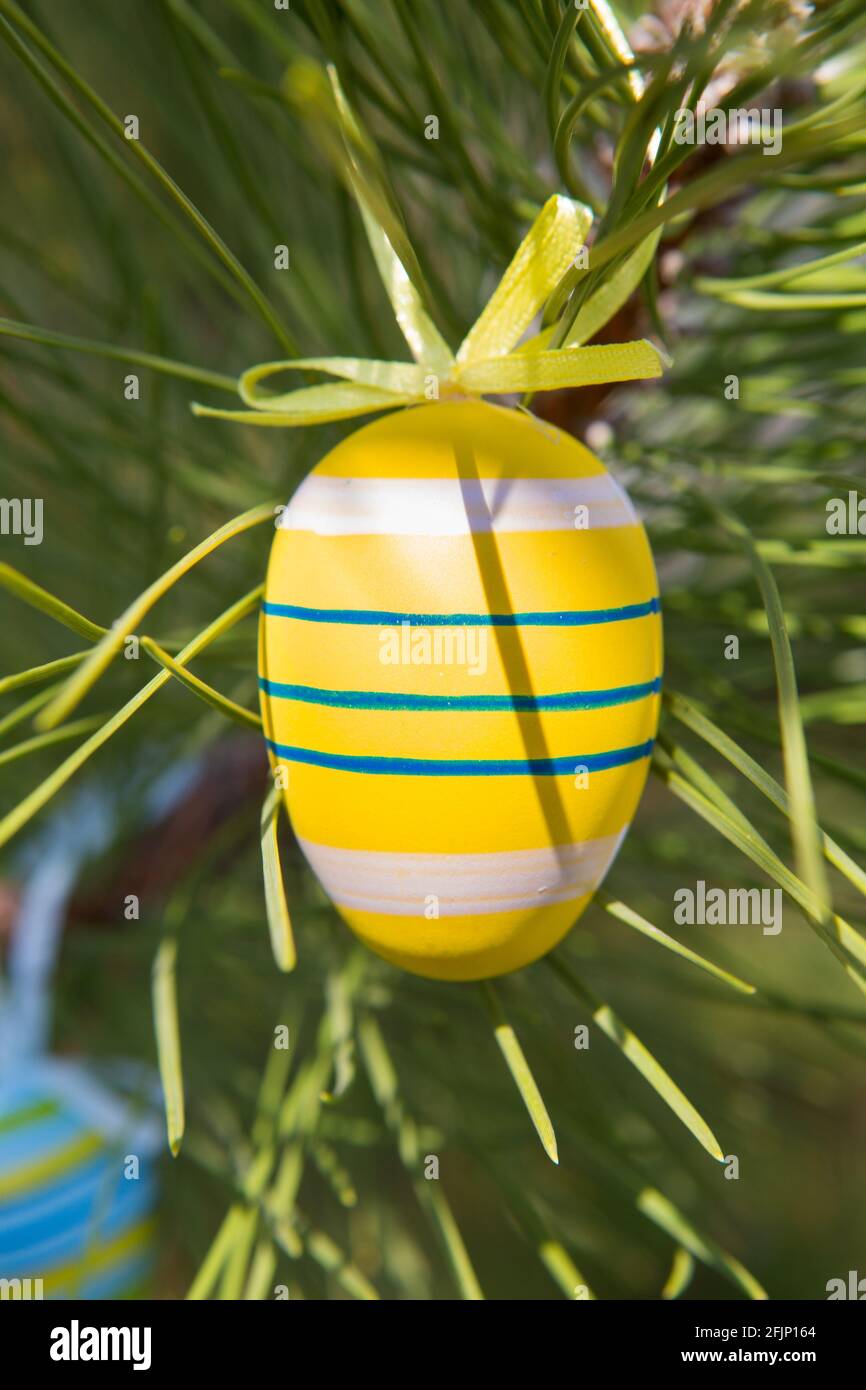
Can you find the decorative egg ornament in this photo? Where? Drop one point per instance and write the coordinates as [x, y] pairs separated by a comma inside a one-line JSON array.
[[460, 665], [78, 1147], [76, 1221], [460, 647]]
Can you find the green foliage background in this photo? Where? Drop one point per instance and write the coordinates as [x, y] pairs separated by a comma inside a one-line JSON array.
[[328, 1196]]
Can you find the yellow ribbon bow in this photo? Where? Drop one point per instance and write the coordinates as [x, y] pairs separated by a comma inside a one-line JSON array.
[[488, 361]]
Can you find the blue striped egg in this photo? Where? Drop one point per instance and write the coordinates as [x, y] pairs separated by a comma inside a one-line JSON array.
[[74, 1222], [460, 666]]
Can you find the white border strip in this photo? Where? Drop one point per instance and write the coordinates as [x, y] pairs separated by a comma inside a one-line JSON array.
[[404, 884], [330, 506]]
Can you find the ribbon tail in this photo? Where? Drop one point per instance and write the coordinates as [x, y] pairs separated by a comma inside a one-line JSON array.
[[426, 344], [425, 341], [322, 105], [560, 367]]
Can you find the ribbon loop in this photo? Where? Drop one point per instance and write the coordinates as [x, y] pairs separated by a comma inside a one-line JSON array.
[[313, 405], [538, 265], [398, 378], [489, 361]]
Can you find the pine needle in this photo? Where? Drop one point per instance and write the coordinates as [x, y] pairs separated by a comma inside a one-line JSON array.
[[517, 1064], [276, 903], [640, 1057]]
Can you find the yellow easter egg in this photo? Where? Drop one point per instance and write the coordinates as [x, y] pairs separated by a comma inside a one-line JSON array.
[[460, 665]]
